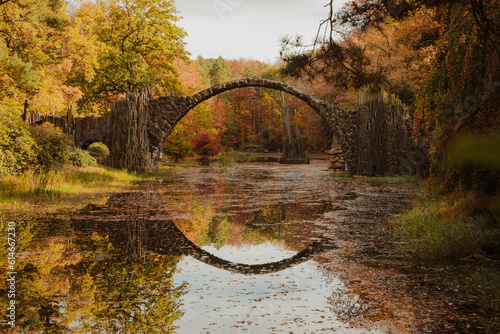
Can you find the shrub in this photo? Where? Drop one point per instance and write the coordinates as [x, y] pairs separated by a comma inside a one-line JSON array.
[[18, 150], [99, 150], [54, 145], [82, 158], [206, 145]]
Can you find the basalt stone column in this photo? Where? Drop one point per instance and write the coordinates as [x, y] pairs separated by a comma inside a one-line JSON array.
[[377, 135], [129, 136]]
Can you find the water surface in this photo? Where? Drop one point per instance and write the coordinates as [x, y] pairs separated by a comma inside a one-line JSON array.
[[256, 214], [247, 249]]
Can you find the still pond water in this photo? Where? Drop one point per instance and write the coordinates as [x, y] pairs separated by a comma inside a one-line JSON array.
[[208, 250]]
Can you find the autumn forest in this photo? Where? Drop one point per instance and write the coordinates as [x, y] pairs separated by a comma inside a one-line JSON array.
[[440, 59], [89, 54]]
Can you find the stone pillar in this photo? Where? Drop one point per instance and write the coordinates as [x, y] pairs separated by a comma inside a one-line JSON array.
[[129, 138], [26, 114]]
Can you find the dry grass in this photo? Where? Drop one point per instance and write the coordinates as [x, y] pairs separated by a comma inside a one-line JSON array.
[[440, 230], [33, 194]]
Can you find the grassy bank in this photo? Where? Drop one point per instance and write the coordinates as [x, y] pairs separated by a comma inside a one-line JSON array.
[[458, 239], [230, 157], [439, 230], [38, 194], [375, 179]]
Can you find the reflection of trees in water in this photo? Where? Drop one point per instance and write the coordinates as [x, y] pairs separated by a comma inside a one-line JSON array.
[[199, 198], [147, 229], [120, 292], [87, 286], [115, 274], [97, 282], [216, 233], [267, 224], [200, 217], [268, 221], [287, 222], [40, 282], [134, 287]]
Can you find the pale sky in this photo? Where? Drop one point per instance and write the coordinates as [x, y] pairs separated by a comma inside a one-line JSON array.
[[250, 29]]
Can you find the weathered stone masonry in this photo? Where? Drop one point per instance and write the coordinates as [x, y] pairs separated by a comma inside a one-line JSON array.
[[137, 127]]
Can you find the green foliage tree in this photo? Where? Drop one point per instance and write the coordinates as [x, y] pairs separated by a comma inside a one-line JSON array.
[[343, 61], [216, 71], [137, 42], [460, 93], [177, 145], [30, 39], [54, 145], [18, 150], [476, 149], [207, 145], [461, 88]]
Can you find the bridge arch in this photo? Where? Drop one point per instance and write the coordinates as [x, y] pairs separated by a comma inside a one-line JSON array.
[[85, 145], [316, 104], [166, 111]]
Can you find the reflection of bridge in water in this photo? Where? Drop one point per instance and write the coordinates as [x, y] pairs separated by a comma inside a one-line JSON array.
[[138, 225]]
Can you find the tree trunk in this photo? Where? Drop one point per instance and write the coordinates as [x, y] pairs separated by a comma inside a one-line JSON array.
[[300, 146], [288, 149]]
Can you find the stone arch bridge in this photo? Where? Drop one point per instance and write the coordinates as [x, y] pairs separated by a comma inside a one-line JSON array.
[[370, 136]]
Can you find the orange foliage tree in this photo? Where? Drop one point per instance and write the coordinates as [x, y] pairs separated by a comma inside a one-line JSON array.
[[207, 145]]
